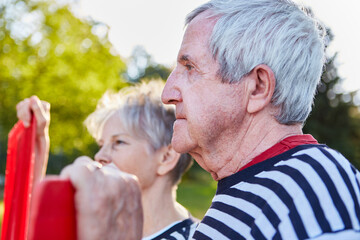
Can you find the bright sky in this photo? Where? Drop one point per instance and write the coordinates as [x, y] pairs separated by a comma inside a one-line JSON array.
[[158, 26]]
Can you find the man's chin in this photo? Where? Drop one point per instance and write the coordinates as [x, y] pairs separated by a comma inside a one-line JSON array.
[[181, 144], [181, 141], [179, 147]]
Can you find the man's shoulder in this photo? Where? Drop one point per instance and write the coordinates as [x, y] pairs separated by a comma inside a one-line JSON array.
[[312, 157], [297, 164], [302, 193], [321, 159]]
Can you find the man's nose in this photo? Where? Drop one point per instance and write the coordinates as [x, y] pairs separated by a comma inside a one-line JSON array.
[[172, 93], [102, 156]]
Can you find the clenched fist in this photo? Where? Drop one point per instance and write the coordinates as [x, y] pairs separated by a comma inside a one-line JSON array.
[[107, 201]]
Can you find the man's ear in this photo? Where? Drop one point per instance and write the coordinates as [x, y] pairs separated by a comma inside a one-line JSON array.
[[262, 88], [167, 160]]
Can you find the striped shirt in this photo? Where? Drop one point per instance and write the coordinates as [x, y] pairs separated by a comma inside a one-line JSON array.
[[310, 191], [181, 230]]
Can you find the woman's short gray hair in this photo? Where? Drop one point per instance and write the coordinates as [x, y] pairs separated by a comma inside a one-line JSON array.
[[142, 113], [277, 33]]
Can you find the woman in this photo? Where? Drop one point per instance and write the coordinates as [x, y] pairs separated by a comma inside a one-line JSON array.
[[134, 129]]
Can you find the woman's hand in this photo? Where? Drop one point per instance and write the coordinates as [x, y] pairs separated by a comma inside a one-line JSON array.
[[107, 201], [41, 110]]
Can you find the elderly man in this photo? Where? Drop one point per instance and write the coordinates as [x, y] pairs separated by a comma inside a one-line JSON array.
[[244, 83], [243, 87]]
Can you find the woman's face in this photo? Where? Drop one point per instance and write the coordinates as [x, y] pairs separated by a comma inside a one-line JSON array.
[[129, 153]]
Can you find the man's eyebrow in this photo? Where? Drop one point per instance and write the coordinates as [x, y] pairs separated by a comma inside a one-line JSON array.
[[184, 58]]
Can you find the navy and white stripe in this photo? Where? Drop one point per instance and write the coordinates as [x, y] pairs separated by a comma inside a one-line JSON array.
[[182, 230], [307, 192]]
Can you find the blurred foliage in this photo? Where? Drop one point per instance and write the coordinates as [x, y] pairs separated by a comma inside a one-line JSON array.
[[335, 119], [141, 66], [196, 194], [48, 52]]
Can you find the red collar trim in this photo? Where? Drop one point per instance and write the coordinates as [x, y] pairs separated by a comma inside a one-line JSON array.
[[281, 147]]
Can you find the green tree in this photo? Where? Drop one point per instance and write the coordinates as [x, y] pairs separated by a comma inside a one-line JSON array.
[[142, 66], [67, 61], [335, 118]]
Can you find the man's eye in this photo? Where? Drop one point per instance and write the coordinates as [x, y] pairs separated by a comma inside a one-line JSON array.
[[189, 67]]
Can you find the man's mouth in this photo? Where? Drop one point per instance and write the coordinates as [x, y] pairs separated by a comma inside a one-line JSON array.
[[179, 116]]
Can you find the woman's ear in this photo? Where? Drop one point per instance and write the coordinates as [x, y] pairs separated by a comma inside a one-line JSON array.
[[262, 88], [167, 160]]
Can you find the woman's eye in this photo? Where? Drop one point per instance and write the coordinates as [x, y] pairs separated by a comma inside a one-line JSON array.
[[116, 143], [119, 142]]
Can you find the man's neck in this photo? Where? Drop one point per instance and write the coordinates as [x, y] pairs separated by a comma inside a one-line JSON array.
[[233, 154]]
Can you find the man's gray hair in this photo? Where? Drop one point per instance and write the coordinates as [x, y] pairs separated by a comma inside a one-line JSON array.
[[277, 33], [142, 113]]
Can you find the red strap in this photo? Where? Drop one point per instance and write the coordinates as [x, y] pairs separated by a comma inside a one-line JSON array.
[[281, 147], [18, 181], [52, 210], [52, 206]]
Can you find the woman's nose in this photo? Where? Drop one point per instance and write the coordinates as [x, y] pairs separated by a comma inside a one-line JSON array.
[[102, 157]]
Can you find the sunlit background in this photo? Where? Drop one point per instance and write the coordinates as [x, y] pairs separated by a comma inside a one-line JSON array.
[[158, 26], [69, 52]]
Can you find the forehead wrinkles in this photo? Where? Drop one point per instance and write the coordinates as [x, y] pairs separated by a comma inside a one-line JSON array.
[[196, 42], [200, 29], [207, 19]]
